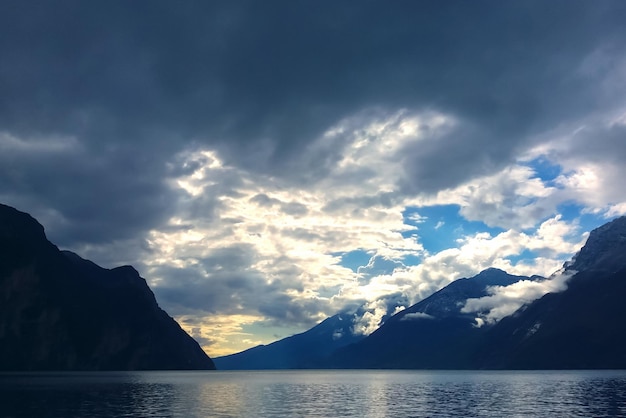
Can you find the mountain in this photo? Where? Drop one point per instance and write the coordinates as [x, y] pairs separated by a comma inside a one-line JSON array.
[[61, 312], [583, 327], [433, 333], [299, 351]]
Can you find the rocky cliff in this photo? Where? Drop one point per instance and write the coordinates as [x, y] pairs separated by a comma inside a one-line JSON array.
[[60, 312]]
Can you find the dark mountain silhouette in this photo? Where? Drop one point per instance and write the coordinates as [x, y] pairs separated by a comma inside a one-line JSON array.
[[298, 351], [60, 312], [581, 328], [433, 333]]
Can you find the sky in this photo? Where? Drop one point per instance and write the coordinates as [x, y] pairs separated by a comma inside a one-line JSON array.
[[265, 165]]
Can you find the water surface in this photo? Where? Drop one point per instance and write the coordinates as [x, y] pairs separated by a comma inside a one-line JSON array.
[[315, 394]]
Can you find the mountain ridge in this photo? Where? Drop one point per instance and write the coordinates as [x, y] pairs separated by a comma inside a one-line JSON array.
[[424, 334], [580, 327], [298, 351], [552, 331], [305, 350], [61, 312]]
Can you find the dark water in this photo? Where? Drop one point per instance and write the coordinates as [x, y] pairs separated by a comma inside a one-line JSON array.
[[315, 394]]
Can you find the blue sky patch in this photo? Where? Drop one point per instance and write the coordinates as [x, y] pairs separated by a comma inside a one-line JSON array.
[[545, 170], [439, 226], [575, 212], [354, 259], [570, 211], [527, 255], [411, 260]]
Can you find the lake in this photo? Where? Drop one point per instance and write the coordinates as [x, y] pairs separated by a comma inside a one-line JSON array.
[[314, 394]]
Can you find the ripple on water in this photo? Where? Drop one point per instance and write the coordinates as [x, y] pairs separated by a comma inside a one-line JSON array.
[[315, 394]]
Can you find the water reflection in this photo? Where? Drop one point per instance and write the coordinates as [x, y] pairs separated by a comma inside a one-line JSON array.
[[314, 394]]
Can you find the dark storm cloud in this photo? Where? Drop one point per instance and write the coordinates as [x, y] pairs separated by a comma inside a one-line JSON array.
[[226, 282], [226, 290], [136, 82], [282, 310], [231, 293], [599, 144], [85, 196]]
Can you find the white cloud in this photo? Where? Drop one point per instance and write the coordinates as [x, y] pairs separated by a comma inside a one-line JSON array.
[[417, 218], [413, 316], [376, 144], [371, 315], [591, 155], [512, 198], [378, 266], [618, 209], [505, 300], [507, 199]]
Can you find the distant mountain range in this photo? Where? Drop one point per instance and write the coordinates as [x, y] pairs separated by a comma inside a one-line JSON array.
[[61, 312], [581, 327], [433, 333], [305, 350]]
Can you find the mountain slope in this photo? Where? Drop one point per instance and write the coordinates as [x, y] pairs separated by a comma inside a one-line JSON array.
[[580, 328], [433, 333], [60, 312], [303, 350]]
